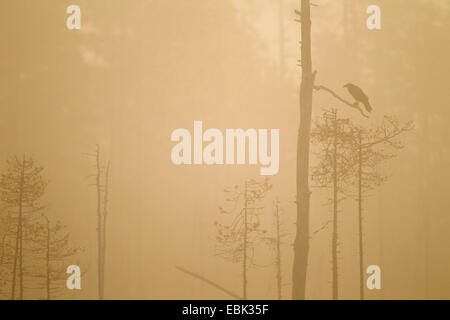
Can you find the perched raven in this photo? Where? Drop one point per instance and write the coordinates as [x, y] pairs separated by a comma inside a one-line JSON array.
[[358, 95]]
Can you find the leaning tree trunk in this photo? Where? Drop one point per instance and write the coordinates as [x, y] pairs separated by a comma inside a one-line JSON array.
[[211, 283], [301, 244]]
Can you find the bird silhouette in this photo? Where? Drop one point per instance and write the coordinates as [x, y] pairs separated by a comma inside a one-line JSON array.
[[359, 95]]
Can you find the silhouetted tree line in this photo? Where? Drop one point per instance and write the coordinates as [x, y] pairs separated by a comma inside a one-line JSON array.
[[247, 227], [35, 248], [243, 229], [349, 161]]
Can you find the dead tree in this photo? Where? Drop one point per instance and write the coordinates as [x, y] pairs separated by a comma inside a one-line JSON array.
[[332, 135], [51, 245], [101, 185], [368, 149], [100, 229], [5, 221], [278, 249], [4, 254], [307, 86], [104, 217], [275, 241], [236, 240], [21, 187], [301, 242]]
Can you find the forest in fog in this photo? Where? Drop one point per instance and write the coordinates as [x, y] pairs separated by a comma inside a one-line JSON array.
[[86, 176]]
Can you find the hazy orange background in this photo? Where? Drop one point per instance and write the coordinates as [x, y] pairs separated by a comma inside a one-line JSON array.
[[139, 69]]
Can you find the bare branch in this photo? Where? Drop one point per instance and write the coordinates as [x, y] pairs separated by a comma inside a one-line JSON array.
[[211, 283], [352, 105], [324, 226]]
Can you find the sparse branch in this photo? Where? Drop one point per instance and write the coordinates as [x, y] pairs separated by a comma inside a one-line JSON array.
[[324, 226], [389, 133], [235, 240]]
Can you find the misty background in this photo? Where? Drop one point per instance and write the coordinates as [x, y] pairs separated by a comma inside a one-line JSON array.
[[137, 70]]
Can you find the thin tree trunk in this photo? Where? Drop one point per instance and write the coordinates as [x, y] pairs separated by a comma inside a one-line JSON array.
[[2, 257], [21, 261], [281, 39], [278, 261], [361, 247], [18, 247], [105, 214], [99, 226], [423, 201], [334, 244], [244, 262], [47, 258], [301, 243], [380, 235], [16, 255]]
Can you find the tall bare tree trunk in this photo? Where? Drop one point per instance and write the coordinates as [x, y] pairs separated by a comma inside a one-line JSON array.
[[18, 248], [244, 262], [424, 167], [334, 241], [278, 248], [301, 243], [361, 247], [380, 235], [105, 214], [16, 255], [281, 46], [47, 260], [99, 225], [2, 256], [21, 260]]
